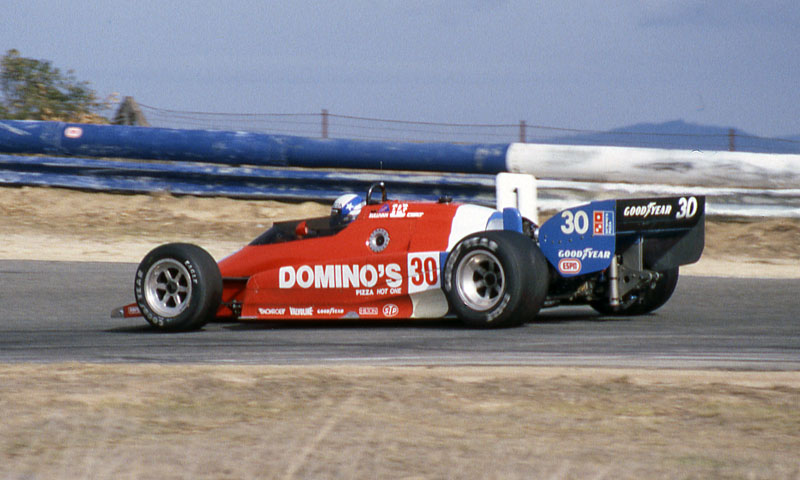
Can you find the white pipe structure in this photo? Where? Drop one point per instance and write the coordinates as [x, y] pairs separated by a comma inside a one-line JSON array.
[[655, 166]]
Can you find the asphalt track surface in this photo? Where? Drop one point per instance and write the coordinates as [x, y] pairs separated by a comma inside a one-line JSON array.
[[59, 312]]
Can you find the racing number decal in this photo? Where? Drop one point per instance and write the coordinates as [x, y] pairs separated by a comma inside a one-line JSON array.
[[688, 207], [423, 271], [577, 222]]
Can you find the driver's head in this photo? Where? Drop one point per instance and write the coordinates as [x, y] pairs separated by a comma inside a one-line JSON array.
[[346, 208]]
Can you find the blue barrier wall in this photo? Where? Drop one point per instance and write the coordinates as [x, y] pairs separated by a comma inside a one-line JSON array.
[[243, 148], [250, 182]]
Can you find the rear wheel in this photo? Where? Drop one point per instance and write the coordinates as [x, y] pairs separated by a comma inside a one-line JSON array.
[[643, 301], [178, 287], [496, 279]]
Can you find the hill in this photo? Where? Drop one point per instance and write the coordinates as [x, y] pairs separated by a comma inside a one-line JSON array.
[[678, 134]]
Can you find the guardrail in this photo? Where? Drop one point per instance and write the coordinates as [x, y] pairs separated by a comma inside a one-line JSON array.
[[303, 184], [202, 162], [250, 182]]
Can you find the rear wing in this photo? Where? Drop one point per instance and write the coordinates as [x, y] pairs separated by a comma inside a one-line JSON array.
[[666, 232]]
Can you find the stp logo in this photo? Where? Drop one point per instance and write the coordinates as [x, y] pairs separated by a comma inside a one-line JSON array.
[[569, 266], [390, 310]]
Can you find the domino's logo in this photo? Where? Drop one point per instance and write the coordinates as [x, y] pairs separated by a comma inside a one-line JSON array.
[[603, 223]]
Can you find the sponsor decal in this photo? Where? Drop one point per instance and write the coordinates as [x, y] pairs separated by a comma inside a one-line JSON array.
[[587, 253], [301, 312], [330, 311], [340, 276], [134, 310], [569, 266], [398, 210], [73, 132], [631, 214], [603, 222], [368, 311], [390, 310], [271, 311], [651, 209], [395, 210]]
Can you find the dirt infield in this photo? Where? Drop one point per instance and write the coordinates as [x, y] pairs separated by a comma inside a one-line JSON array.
[[241, 422], [58, 224]]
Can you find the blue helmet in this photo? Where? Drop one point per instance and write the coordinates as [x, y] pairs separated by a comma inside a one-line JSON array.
[[347, 207]]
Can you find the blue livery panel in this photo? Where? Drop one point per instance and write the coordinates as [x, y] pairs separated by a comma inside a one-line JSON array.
[[581, 239]]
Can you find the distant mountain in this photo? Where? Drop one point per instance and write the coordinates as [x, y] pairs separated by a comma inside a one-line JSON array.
[[681, 135]]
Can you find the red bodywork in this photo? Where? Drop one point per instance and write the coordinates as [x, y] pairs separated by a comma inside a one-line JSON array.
[[380, 266], [386, 263]]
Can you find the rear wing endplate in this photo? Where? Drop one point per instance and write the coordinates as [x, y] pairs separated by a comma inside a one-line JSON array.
[[583, 239]]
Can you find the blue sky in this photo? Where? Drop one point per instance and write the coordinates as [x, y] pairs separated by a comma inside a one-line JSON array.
[[577, 64]]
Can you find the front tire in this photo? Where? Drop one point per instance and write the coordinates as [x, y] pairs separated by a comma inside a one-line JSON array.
[[178, 287], [496, 279]]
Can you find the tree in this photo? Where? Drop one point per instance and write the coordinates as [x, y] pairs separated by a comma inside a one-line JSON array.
[[35, 90]]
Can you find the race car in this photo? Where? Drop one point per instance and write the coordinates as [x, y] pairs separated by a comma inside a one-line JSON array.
[[380, 258]]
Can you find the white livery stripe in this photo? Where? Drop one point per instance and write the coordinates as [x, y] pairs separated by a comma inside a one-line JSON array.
[[429, 304], [468, 219]]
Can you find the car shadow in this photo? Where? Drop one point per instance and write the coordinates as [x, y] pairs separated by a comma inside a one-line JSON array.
[[578, 314], [145, 329], [563, 315], [433, 324]]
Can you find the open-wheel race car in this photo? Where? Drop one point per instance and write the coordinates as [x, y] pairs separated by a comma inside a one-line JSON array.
[[381, 258]]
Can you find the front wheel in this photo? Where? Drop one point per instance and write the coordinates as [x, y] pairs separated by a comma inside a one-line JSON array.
[[178, 287], [495, 279], [642, 302]]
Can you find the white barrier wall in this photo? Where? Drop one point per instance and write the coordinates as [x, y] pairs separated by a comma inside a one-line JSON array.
[[655, 166]]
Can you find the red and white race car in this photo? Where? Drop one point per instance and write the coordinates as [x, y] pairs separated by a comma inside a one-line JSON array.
[[380, 258]]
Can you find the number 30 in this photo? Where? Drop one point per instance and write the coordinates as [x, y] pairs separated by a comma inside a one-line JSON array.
[[688, 208], [575, 223]]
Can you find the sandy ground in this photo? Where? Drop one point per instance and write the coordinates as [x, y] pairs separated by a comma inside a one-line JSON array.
[[58, 224], [246, 422]]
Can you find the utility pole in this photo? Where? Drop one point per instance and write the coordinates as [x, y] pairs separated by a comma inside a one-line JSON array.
[[324, 123], [731, 140], [522, 128]]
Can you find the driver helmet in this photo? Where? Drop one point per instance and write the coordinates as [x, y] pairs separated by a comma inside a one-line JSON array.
[[346, 208]]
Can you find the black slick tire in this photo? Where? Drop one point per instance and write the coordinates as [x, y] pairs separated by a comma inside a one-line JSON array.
[[495, 279], [178, 287]]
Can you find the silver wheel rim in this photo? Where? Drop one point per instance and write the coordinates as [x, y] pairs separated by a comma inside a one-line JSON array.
[[480, 280], [168, 288]]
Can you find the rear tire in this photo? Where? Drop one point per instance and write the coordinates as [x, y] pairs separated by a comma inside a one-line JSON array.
[[496, 279], [178, 287], [646, 301]]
